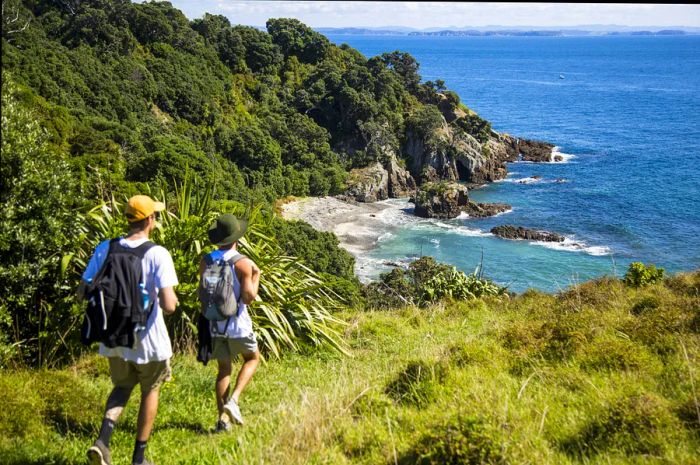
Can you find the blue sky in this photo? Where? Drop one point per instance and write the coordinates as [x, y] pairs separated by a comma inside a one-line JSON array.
[[444, 14]]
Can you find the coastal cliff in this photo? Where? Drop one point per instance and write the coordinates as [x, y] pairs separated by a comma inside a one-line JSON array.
[[446, 143]]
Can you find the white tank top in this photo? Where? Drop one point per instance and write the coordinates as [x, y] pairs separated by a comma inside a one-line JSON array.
[[236, 326]]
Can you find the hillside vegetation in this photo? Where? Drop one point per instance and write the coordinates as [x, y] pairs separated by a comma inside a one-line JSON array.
[[105, 99], [601, 373]]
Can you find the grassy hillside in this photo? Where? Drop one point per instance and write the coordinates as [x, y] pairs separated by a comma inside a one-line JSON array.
[[601, 373]]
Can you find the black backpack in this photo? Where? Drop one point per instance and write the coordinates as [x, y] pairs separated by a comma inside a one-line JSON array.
[[115, 298]]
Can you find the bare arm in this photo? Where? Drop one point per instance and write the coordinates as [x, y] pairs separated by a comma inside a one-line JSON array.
[[249, 276], [167, 300]]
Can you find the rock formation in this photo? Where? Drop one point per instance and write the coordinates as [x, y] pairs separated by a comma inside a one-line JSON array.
[[449, 199], [533, 150], [440, 200], [482, 210], [518, 232]]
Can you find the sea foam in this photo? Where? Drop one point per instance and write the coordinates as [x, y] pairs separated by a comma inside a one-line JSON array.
[[570, 245]]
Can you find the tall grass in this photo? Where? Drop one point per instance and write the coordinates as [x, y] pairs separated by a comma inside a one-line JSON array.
[[574, 378]]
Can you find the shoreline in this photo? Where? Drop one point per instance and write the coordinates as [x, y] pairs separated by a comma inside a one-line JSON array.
[[358, 226]]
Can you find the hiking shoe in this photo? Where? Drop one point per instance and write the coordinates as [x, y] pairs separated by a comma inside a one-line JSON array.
[[145, 462], [233, 411], [222, 426], [98, 454]]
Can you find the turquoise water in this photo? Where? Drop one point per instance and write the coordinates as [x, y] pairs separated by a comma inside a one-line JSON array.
[[627, 109]]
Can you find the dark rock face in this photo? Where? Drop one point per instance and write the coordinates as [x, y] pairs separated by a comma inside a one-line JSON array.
[[537, 151], [440, 200], [482, 210], [518, 232]]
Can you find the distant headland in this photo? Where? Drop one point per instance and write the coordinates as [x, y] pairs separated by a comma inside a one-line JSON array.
[[534, 31]]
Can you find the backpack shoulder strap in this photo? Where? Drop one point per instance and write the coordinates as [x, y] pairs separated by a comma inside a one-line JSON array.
[[143, 248], [236, 258], [114, 245], [140, 251]]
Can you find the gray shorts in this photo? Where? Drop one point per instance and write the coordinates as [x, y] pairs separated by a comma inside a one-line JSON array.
[[228, 348]]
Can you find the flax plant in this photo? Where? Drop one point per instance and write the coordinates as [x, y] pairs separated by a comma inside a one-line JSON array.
[[294, 308]]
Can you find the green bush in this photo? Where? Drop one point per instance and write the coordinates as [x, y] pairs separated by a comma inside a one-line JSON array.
[[638, 424], [464, 440], [640, 275], [417, 383], [427, 281]]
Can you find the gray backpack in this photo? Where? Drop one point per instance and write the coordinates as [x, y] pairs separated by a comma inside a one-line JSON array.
[[218, 301]]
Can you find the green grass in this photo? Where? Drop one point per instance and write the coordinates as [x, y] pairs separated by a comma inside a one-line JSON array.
[[598, 374]]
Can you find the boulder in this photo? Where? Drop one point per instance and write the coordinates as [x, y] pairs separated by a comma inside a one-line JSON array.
[[440, 200], [534, 150], [518, 232], [368, 184]]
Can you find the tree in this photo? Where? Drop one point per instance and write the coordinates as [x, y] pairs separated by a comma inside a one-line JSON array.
[[36, 219], [405, 66], [297, 39]]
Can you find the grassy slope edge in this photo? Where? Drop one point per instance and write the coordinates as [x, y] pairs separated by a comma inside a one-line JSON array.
[[600, 373]]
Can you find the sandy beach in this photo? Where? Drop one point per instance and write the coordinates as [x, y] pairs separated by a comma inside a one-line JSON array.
[[357, 225]]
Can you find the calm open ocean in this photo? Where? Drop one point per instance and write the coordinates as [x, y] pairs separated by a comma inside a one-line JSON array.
[[627, 109]]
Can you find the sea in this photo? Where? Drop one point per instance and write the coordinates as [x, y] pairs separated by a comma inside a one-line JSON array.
[[623, 111]]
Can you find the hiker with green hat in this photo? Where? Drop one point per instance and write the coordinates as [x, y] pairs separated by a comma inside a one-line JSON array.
[[228, 284]]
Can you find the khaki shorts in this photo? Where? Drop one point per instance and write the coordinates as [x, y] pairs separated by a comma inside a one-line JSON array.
[[226, 348], [127, 374]]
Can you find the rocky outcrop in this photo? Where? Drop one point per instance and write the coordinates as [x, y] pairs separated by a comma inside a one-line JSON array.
[[368, 184], [518, 232], [440, 200], [449, 199], [376, 182], [482, 210], [534, 150], [451, 154], [401, 183], [446, 152], [429, 155]]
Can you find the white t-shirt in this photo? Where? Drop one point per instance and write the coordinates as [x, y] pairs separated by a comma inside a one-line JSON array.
[[236, 326], [152, 344]]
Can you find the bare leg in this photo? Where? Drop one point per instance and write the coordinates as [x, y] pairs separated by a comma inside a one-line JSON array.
[[223, 380], [116, 402], [250, 364], [147, 414]]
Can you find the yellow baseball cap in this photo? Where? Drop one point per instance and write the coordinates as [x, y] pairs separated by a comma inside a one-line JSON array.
[[140, 207]]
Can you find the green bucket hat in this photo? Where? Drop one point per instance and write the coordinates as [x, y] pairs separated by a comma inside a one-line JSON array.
[[227, 229]]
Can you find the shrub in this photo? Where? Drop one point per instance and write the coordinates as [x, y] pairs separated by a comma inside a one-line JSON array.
[[427, 281], [640, 275], [636, 424], [462, 440], [416, 384]]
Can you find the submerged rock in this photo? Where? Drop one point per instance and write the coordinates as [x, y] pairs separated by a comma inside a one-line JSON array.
[[482, 210], [518, 232]]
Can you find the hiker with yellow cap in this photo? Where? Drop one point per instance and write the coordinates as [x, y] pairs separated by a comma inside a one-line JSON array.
[[228, 284], [128, 285]]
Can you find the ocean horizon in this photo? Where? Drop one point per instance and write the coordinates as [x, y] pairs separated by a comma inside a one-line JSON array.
[[623, 111]]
